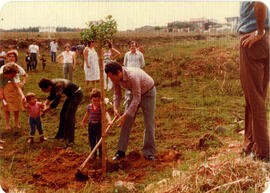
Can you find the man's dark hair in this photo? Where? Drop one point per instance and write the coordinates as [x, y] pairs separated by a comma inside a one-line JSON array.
[[45, 83], [113, 67]]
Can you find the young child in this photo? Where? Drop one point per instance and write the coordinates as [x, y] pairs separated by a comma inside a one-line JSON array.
[[93, 114], [43, 60], [28, 61], [34, 116]]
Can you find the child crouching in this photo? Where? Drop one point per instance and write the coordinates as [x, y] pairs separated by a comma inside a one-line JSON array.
[[34, 116], [93, 114]]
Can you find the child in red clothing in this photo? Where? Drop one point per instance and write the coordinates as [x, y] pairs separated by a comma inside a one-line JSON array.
[[33, 108]]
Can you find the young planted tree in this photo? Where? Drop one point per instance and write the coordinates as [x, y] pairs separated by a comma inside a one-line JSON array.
[[100, 32]]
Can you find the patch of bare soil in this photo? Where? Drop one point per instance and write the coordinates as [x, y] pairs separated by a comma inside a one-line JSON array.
[[57, 168]]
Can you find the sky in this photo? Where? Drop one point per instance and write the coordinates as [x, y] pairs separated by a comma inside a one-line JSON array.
[[128, 14]]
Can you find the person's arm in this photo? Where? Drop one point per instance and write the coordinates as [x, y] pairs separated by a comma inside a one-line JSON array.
[[116, 53], [117, 96], [42, 105], [38, 51], [249, 39], [46, 108], [85, 117], [85, 57], [125, 59], [24, 74], [108, 117], [136, 99], [20, 90], [74, 60], [60, 57], [1, 93], [25, 77], [25, 105], [142, 63]]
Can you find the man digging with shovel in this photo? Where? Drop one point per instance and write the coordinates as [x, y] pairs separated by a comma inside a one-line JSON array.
[[143, 94]]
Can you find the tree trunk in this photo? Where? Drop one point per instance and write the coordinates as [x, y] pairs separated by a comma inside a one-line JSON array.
[[103, 109]]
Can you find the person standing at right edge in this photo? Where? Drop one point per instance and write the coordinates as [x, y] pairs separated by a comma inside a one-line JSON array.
[[254, 76]]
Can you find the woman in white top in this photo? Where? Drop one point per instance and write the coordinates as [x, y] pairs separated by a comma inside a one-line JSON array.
[[109, 54], [91, 67], [69, 61]]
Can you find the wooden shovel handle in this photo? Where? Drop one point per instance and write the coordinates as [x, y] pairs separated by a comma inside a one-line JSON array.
[[97, 145]]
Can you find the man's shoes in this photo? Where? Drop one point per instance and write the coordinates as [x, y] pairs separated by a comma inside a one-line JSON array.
[[262, 158], [246, 152], [118, 155], [42, 138], [258, 157], [149, 157], [69, 145], [30, 140]]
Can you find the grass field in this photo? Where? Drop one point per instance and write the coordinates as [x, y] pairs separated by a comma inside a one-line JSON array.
[[202, 77]]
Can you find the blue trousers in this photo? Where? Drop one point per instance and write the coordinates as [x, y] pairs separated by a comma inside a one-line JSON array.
[[148, 105], [35, 123], [33, 57]]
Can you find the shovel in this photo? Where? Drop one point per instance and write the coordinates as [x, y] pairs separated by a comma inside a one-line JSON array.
[[79, 175]]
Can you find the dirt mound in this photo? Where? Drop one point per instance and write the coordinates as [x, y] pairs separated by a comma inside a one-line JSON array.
[[57, 167], [213, 60]]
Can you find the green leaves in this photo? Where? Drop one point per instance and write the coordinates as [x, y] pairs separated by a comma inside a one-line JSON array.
[[100, 31]]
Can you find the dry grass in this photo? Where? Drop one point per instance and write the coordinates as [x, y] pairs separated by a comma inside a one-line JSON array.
[[220, 175]]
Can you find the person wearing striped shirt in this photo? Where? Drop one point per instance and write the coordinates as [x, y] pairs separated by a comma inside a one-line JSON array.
[[93, 116]]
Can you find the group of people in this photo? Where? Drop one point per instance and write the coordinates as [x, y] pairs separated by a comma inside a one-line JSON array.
[[129, 77], [140, 89]]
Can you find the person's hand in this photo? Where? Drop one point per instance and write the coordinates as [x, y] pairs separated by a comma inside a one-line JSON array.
[[249, 39], [121, 120], [116, 113], [44, 111], [21, 84], [87, 65], [23, 99], [73, 68], [82, 124], [42, 114]]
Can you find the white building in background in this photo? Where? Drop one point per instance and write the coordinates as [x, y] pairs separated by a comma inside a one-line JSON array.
[[233, 22], [47, 29]]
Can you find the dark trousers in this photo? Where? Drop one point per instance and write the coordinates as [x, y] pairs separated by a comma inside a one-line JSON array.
[[29, 66], [94, 135], [33, 58], [67, 117], [35, 123], [254, 76], [43, 65], [53, 56]]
